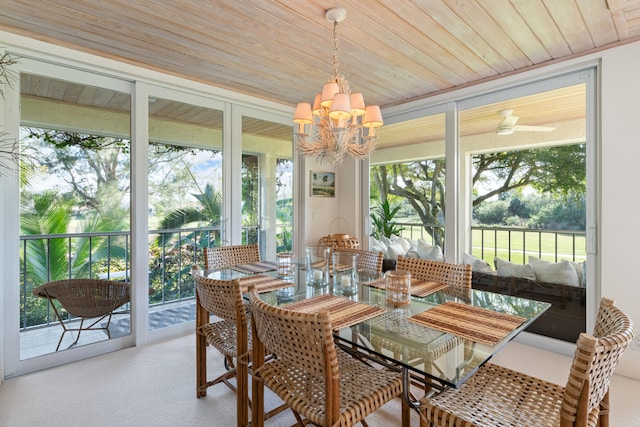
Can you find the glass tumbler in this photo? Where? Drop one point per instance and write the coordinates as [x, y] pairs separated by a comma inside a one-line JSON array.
[[285, 262], [398, 288], [345, 271], [317, 265]]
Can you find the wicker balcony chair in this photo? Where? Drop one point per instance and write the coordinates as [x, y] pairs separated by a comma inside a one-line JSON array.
[[309, 373], [86, 299], [367, 260], [501, 396], [458, 275], [227, 256]]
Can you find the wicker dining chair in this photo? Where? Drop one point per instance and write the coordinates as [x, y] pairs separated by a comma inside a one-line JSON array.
[[228, 333], [86, 299], [367, 260], [501, 396], [227, 256], [458, 275], [318, 380]]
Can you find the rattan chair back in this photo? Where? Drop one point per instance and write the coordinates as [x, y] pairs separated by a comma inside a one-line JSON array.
[[595, 359], [309, 373], [367, 260], [222, 298], [227, 256], [457, 275]]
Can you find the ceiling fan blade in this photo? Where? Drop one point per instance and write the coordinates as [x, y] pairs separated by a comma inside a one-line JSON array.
[[523, 128], [509, 121]]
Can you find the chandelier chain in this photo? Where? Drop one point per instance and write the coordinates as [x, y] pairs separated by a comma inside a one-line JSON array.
[[335, 50]]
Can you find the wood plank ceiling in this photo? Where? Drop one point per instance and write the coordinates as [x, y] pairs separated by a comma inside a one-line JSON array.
[[281, 50]]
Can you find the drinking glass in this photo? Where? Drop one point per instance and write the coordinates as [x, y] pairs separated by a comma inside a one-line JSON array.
[[398, 288], [285, 262]]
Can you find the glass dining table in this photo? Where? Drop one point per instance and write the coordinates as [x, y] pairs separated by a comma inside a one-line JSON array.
[[437, 341]]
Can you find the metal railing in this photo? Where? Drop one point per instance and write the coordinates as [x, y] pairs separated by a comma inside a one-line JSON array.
[[177, 250], [169, 267], [511, 243]]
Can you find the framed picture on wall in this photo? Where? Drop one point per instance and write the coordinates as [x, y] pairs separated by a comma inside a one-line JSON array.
[[323, 184]]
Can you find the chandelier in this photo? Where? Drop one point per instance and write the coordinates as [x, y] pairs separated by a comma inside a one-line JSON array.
[[338, 123]]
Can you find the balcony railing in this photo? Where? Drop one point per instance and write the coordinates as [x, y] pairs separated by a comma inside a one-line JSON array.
[[512, 244], [169, 264], [170, 261]]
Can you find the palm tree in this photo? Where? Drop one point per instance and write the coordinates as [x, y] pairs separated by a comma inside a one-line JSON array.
[[209, 213], [60, 258]]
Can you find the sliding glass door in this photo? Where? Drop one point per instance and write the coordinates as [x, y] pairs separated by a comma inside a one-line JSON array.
[[526, 154], [74, 203], [267, 184], [185, 201]]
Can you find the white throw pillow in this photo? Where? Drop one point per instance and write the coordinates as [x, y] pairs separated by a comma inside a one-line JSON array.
[[477, 264], [580, 267], [412, 253], [506, 268], [561, 273], [380, 247], [405, 243], [423, 248], [395, 249], [434, 254]]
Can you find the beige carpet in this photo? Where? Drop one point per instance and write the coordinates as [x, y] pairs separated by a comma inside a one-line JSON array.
[[154, 385]]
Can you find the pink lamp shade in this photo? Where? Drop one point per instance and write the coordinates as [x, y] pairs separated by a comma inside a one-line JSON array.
[[357, 104], [341, 107], [328, 92], [372, 117], [303, 113], [317, 108]]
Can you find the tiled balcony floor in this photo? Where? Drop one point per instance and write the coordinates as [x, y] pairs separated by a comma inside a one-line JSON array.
[[40, 341]]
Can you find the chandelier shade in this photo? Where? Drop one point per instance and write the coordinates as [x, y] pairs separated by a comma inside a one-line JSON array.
[[338, 123]]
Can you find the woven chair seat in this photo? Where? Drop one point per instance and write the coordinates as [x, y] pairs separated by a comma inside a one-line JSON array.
[[305, 394], [454, 275], [222, 336], [488, 396], [367, 260]]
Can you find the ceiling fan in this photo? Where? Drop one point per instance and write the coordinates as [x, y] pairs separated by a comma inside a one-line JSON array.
[[508, 125]]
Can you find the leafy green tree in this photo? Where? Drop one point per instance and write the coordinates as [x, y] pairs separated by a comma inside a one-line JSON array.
[[557, 170], [208, 212], [95, 167], [420, 185]]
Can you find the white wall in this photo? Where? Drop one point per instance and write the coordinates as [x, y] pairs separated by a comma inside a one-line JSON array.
[[620, 198]]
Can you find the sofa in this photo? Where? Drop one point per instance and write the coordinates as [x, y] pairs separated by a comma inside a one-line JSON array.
[[562, 284]]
